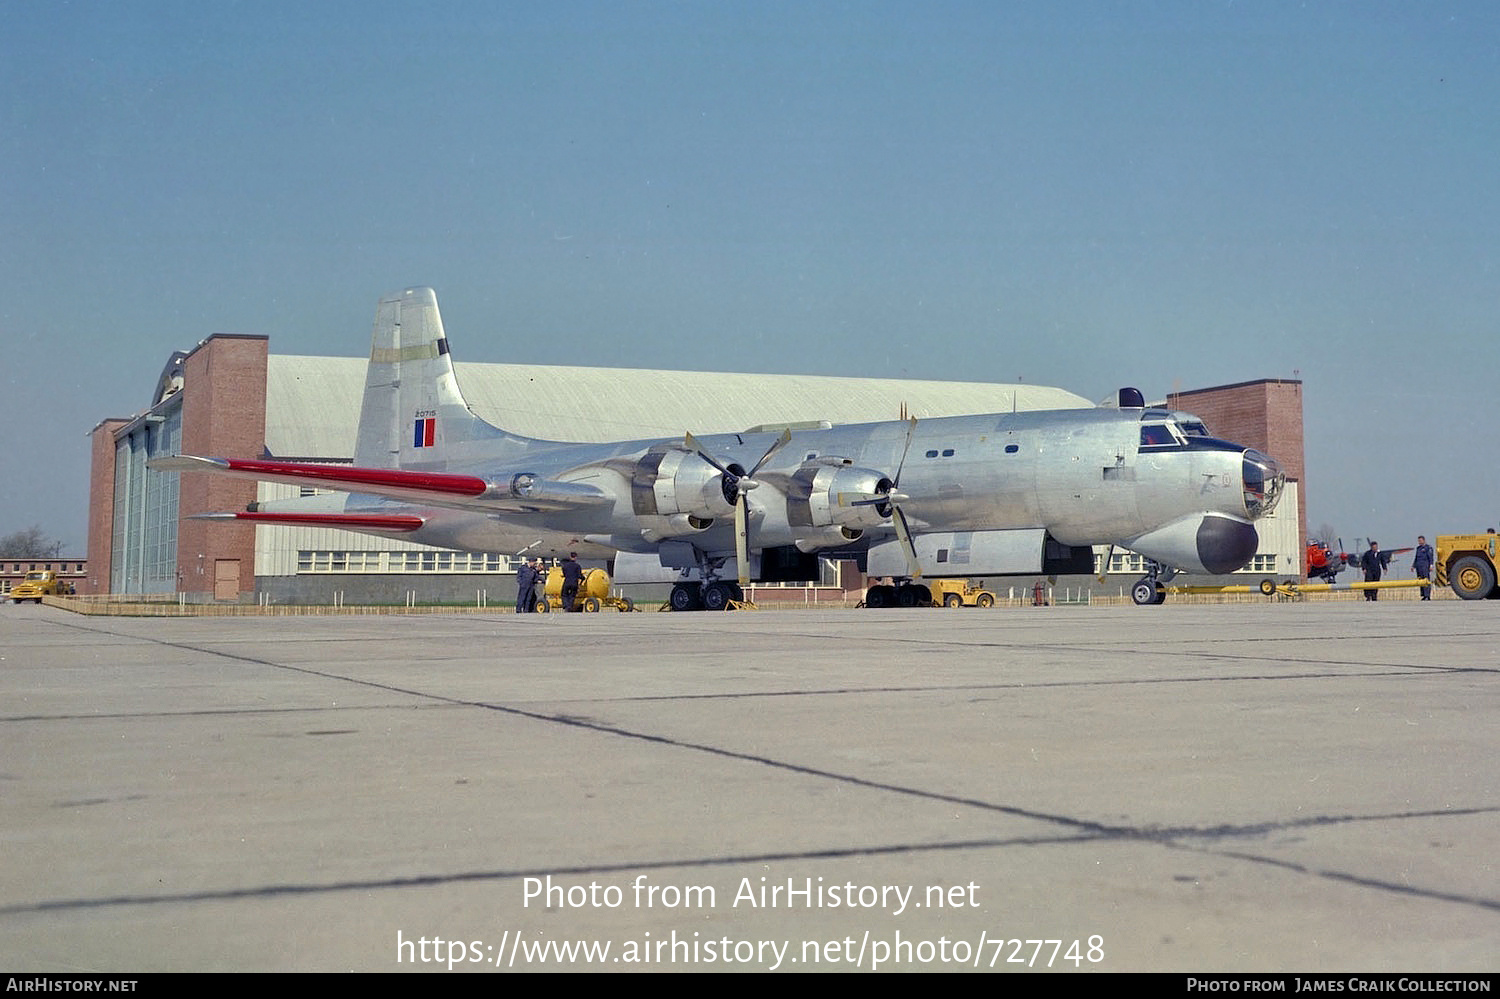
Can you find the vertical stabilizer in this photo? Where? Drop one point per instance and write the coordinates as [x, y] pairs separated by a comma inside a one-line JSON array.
[[414, 415]]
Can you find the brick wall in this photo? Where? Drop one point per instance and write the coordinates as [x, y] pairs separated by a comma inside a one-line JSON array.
[[223, 416], [101, 505]]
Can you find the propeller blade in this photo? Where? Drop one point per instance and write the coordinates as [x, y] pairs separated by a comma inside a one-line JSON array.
[[911, 428], [913, 567], [780, 442], [742, 540], [691, 443]]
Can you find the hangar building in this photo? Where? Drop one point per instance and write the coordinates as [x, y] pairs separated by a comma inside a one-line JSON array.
[[231, 397]]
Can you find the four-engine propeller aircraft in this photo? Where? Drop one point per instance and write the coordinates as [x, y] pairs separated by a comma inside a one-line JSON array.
[[1002, 494]]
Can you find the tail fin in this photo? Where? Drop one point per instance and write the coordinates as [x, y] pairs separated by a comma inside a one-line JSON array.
[[414, 415]]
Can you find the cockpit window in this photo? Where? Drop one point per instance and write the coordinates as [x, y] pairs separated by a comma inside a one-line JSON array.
[[1156, 435], [1194, 428], [1263, 483]]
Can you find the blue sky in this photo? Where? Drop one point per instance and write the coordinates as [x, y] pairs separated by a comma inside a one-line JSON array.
[[1085, 194]]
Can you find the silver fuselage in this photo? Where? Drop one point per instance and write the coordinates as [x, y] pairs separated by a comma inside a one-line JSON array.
[[1086, 477]]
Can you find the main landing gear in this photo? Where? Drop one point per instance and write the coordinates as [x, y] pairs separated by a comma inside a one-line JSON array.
[[900, 595], [715, 596]]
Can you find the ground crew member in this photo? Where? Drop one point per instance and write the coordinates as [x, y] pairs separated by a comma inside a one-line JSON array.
[[1421, 564], [526, 588], [1370, 562], [572, 576]]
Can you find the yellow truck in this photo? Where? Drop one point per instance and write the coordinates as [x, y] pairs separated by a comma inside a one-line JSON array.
[[1467, 563], [959, 593], [40, 583]]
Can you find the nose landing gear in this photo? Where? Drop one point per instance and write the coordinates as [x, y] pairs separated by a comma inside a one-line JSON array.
[[1151, 588], [1148, 591]]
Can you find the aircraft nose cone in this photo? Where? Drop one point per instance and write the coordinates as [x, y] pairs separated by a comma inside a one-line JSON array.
[[1264, 480], [1225, 545]]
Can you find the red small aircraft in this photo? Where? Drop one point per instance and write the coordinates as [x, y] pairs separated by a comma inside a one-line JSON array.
[[1325, 564]]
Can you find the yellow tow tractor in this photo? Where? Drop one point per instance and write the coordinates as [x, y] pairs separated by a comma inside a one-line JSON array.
[[593, 593], [1467, 562], [40, 583], [959, 593]]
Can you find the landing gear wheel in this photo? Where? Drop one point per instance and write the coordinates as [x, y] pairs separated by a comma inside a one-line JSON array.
[[953, 600], [1148, 591], [716, 596], [880, 596], [686, 597], [1472, 577], [913, 595]]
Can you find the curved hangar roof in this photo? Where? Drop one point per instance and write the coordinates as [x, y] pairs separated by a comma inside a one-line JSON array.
[[312, 403]]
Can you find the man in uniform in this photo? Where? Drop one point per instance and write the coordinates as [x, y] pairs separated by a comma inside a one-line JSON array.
[[572, 576], [1421, 564], [526, 588], [1370, 562]]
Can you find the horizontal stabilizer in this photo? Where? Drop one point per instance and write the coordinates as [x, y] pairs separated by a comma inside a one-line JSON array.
[[345, 521]]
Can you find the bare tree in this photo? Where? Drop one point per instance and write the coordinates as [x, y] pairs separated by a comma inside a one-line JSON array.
[[30, 543]]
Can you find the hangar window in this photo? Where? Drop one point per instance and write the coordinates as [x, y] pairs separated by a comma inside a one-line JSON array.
[[350, 562], [1120, 562]]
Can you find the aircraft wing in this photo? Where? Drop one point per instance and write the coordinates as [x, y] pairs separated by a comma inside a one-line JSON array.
[[1386, 554], [519, 493]]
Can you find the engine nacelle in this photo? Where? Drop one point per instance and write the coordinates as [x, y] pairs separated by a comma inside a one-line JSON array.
[[827, 537], [822, 494], [678, 482], [676, 525]]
